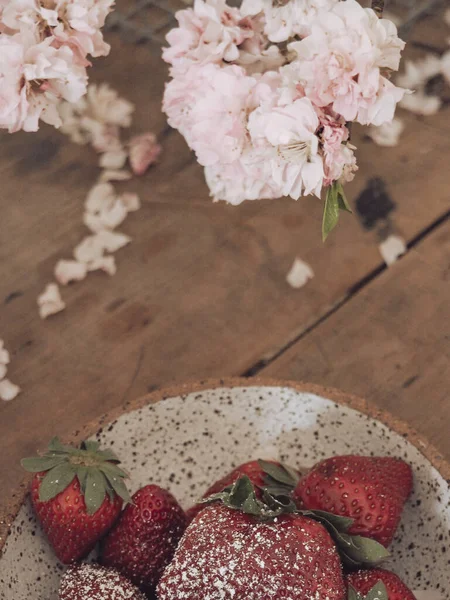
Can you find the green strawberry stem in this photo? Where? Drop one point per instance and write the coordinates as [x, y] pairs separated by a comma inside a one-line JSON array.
[[97, 471], [276, 499], [378, 592]]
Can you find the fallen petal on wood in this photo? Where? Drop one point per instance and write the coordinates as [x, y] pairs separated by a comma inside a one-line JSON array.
[[144, 151], [111, 241], [4, 354], [392, 248], [69, 270], [300, 274], [50, 301], [106, 264], [89, 249], [387, 135], [115, 159], [8, 390], [131, 201], [100, 196], [116, 175]]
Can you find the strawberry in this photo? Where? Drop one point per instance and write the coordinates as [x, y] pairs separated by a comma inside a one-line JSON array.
[[77, 495], [371, 491], [256, 471], [143, 541], [92, 582], [227, 554], [364, 582]]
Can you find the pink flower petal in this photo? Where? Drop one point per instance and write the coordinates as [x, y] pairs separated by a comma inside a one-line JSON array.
[[144, 151]]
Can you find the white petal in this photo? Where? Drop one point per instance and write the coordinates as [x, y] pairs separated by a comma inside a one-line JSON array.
[[445, 64], [388, 134], [116, 175], [144, 151], [106, 264], [420, 104], [130, 201], [100, 196], [392, 248], [4, 356], [112, 241], [3, 370], [50, 301], [69, 270], [8, 390], [115, 159], [299, 274], [94, 222], [115, 215], [88, 249]]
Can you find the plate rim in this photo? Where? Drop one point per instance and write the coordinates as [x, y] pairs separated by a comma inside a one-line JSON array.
[[370, 410]]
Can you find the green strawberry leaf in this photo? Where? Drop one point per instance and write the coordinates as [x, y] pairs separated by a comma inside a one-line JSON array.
[[243, 493], [95, 490], [341, 524], [353, 594], [56, 446], [113, 470], [90, 446], [115, 480], [42, 463], [55, 481], [82, 472], [279, 473], [378, 592], [109, 456], [363, 550]]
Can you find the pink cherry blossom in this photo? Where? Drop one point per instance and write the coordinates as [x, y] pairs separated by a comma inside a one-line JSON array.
[[285, 20], [211, 31], [343, 60], [34, 78], [290, 131], [144, 151], [248, 178], [339, 162], [208, 106], [13, 102]]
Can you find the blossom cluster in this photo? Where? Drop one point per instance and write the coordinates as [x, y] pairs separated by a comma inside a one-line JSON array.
[[264, 93], [45, 47]]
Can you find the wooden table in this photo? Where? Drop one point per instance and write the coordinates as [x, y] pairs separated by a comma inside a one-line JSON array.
[[201, 291]]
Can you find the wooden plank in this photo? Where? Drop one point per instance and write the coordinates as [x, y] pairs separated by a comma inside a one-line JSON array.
[[200, 292], [391, 343]]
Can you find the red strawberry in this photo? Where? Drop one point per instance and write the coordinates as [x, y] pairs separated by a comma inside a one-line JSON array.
[[254, 470], [92, 582], [226, 554], [372, 491], [143, 541], [77, 495], [364, 581]]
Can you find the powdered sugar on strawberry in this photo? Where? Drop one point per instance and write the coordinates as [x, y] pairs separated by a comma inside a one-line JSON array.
[[226, 554]]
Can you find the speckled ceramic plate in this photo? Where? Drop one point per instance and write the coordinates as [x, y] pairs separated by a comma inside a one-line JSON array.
[[199, 432]]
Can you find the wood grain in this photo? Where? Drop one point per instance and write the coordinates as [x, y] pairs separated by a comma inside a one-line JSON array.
[[200, 292], [390, 343]]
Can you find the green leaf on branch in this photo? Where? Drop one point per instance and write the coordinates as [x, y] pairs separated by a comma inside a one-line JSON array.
[[335, 201]]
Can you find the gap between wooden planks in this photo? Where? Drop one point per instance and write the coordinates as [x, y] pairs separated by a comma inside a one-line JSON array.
[[201, 292], [390, 343]]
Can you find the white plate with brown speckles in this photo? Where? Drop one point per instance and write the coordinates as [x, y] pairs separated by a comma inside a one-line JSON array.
[[187, 437]]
